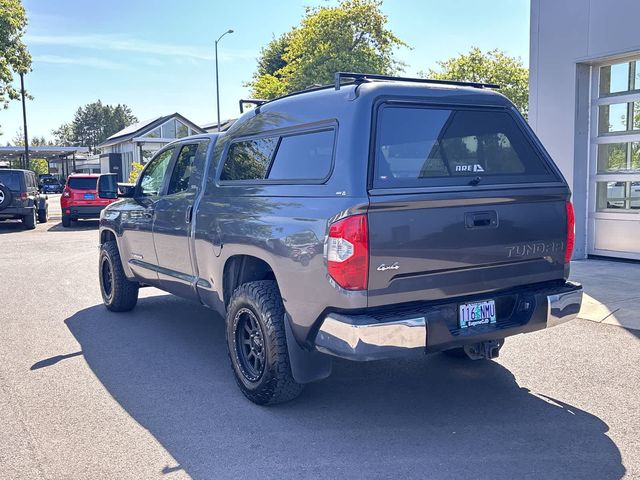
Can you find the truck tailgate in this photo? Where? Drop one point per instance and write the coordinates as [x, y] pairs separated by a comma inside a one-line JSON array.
[[433, 247]]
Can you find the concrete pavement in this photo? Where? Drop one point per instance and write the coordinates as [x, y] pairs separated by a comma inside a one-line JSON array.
[[612, 291], [85, 393]]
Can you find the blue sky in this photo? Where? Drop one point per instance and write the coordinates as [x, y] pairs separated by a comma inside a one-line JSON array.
[[157, 56]]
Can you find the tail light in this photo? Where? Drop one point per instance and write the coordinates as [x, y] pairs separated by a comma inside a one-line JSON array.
[[348, 252], [571, 233], [24, 195], [66, 194]]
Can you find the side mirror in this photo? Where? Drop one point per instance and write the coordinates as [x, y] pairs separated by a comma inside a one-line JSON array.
[[108, 185], [126, 190]]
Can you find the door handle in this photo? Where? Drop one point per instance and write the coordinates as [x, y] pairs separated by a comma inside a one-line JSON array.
[[188, 214], [481, 219]]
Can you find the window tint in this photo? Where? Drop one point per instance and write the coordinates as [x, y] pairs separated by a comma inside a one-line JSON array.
[[11, 180], [249, 159], [151, 181], [83, 183], [182, 171], [433, 147], [305, 156]]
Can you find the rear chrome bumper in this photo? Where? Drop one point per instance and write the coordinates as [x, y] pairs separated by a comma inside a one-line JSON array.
[[562, 307], [340, 336], [367, 337]]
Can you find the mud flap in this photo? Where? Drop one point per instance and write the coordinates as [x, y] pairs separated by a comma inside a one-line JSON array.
[[306, 366]]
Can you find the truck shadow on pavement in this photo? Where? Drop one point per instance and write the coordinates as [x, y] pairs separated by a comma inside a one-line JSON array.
[[166, 364]]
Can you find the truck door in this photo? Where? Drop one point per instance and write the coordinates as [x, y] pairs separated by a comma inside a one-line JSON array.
[[137, 222], [173, 221]]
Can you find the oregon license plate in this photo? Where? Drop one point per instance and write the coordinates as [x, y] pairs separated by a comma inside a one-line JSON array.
[[478, 313], [89, 196]]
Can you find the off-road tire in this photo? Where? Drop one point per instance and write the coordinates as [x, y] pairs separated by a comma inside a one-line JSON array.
[[29, 221], [66, 221], [121, 295], [43, 215], [276, 383]]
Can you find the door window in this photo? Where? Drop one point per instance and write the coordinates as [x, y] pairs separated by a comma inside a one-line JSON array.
[[153, 175], [182, 171]]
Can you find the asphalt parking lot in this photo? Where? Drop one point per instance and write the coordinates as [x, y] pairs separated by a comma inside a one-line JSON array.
[[85, 393]]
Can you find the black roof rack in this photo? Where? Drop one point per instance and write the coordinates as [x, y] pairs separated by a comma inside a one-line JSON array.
[[253, 101], [363, 77]]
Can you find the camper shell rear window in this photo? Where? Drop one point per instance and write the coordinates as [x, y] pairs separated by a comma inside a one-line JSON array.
[[425, 146]]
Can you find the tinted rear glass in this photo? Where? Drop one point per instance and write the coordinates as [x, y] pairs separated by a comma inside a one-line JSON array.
[[82, 183], [304, 156], [11, 180], [50, 181], [437, 147]]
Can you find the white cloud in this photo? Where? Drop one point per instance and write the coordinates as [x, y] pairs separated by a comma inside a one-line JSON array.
[[134, 45], [81, 61]]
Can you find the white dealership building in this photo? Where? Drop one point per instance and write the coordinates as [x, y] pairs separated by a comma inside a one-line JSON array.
[[585, 107]]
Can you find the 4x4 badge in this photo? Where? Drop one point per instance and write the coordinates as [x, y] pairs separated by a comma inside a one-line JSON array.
[[384, 268]]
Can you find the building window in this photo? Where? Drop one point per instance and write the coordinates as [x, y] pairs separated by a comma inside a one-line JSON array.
[[181, 129], [616, 150], [619, 78], [169, 129], [155, 133], [619, 117]]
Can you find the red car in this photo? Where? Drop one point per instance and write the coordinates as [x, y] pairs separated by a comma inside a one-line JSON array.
[[80, 198]]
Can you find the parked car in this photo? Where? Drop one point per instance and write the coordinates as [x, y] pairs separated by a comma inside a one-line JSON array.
[[80, 199], [616, 194], [21, 199], [375, 219], [51, 185]]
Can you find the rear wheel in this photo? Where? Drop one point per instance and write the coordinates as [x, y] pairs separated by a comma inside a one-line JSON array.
[[66, 221], [43, 215], [29, 221], [257, 344], [118, 293]]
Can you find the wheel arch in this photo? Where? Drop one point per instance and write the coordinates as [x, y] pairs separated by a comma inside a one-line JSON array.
[[243, 268]]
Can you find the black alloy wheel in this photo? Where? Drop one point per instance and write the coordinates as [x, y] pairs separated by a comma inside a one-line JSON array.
[[249, 345]]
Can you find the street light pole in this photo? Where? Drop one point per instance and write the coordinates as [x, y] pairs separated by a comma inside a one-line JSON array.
[[217, 82], [24, 121]]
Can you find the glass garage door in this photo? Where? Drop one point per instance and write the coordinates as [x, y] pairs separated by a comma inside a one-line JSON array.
[[614, 218]]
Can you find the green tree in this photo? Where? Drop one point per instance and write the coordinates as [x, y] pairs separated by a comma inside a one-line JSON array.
[[14, 56], [488, 67], [136, 169], [93, 123], [351, 36], [39, 165], [63, 135]]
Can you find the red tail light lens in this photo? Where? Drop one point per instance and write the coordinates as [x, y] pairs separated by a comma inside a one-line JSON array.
[[66, 194], [24, 195], [348, 252], [571, 233]]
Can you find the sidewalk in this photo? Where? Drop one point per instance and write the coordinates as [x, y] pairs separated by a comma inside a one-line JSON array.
[[611, 291]]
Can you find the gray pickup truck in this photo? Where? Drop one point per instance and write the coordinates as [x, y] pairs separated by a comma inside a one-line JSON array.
[[374, 218]]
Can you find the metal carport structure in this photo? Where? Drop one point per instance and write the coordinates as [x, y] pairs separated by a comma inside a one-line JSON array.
[[14, 157]]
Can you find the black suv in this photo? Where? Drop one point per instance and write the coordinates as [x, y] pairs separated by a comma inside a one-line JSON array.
[[21, 199], [371, 219]]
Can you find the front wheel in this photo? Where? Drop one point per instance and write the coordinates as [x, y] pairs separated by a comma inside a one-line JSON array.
[[257, 344], [118, 293]]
